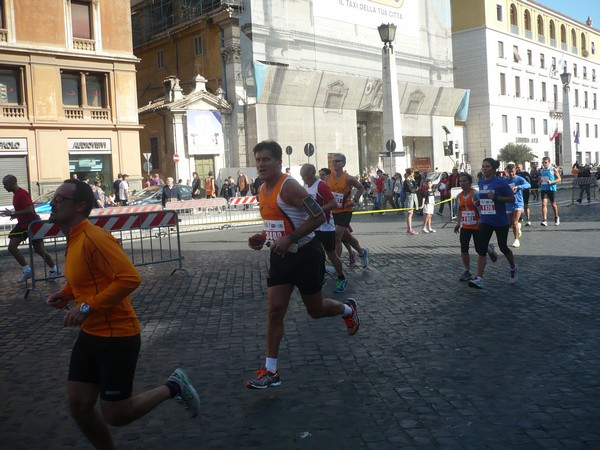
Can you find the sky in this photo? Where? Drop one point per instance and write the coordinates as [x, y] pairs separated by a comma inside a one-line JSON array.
[[576, 9]]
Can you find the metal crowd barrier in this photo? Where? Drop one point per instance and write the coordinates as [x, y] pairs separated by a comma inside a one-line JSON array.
[[581, 184], [216, 213], [147, 238]]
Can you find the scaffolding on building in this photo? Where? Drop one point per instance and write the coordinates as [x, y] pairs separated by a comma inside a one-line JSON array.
[[152, 18]]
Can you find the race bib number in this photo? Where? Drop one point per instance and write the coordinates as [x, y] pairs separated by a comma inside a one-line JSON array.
[[468, 218], [487, 206], [273, 229], [511, 185], [339, 199], [545, 180], [431, 200]]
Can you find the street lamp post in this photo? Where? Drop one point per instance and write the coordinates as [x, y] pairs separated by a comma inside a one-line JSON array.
[[392, 127], [567, 154]]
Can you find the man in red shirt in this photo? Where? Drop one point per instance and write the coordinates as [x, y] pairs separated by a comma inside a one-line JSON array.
[[24, 212]]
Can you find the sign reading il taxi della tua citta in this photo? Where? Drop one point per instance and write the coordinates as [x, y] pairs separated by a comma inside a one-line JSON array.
[[372, 13]]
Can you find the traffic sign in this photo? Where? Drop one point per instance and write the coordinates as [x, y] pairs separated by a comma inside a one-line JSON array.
[[175, 158], [390, 145], [147, 166], [289, 150], [147, 156], [309, 149], [393, 154]]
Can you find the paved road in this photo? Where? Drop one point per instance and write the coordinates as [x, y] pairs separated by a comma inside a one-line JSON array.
[[434, 365]]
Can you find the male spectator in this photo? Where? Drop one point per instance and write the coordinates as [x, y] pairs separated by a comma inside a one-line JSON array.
[[124, 190], [257, 184], [341, 184], [326, 231], [290, 215], [549, 178], [195, 185], [535, 181], [388, 192], [209, 185], [100, 280], [24, 212], [115, 189], [99, 197], [170, 192], [73, 176], [454, 183], [379, 186], [419, 180], [584, 172], [525, 175]]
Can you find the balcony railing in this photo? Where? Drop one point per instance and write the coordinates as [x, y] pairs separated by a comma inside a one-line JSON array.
[[87, 114], [14, 112], [87, 45]]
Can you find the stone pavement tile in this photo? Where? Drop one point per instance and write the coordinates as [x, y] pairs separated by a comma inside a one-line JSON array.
[[435, 364]]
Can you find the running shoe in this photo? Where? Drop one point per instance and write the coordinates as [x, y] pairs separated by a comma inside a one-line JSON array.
[[492, 253], [528, 223], [557, 221], [187, 394], [352, 321], [514, 275], [365, 257], [330, 270], [412, 232], [431, 230], [466, 276], [264, 379], [54, 274], [517, 243], [352, 256], [425, 230], [26, 274], [520, 232], [476, 283], [340, 285], [544, 223]]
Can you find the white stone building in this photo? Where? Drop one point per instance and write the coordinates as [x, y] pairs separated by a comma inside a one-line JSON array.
[[510, 54]]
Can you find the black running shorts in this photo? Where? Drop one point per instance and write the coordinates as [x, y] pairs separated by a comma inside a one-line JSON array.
[[304, 269], [106, 361], [327, 238]]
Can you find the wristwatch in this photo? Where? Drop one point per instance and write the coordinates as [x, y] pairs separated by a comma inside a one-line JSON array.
[[85, 308]]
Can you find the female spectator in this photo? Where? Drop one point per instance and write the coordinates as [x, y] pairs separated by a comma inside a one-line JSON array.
[[468, 223], [410, 189], [427, 206], [494, 193], [444, 189]]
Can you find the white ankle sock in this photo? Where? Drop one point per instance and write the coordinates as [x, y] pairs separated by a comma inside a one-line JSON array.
[[271, 364], [347, 311]]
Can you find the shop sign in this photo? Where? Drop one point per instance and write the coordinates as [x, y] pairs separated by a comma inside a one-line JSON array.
[[80, 146], [13, 145]]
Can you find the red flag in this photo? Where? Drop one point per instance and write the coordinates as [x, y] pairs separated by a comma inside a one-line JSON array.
[[555, 134]]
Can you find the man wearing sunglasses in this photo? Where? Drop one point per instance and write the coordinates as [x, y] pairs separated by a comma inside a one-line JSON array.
[[24, 213], [341, 183], [549, 178], [100, 279]]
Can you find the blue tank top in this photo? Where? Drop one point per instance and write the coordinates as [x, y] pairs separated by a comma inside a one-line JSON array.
[[545, 176]]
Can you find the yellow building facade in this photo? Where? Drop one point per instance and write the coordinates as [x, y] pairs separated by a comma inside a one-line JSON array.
[[68, 100]]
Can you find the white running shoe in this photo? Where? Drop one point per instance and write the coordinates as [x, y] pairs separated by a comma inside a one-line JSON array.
[[425, 230], [431, 230], [476, 282], [26, 274], [517, 243], [557, 221]]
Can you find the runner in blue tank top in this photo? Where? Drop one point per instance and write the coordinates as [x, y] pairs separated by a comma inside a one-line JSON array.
[[549, 178], [494, 193], [518, 185]]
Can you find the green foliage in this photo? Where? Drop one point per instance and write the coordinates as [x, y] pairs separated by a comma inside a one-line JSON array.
[[516, 153]]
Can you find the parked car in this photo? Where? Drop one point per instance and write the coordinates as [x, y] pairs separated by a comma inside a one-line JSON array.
[[42, 203], [153, 194]]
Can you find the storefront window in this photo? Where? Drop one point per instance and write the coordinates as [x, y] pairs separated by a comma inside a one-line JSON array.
[[93, 167]]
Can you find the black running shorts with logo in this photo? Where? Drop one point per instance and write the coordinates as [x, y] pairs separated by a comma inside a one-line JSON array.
[[342, 219], [327, 238], [304, 269], [108, 362]]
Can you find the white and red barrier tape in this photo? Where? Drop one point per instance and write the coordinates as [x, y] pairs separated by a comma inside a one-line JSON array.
[[126, 209], [243, 200], [41, 230]]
